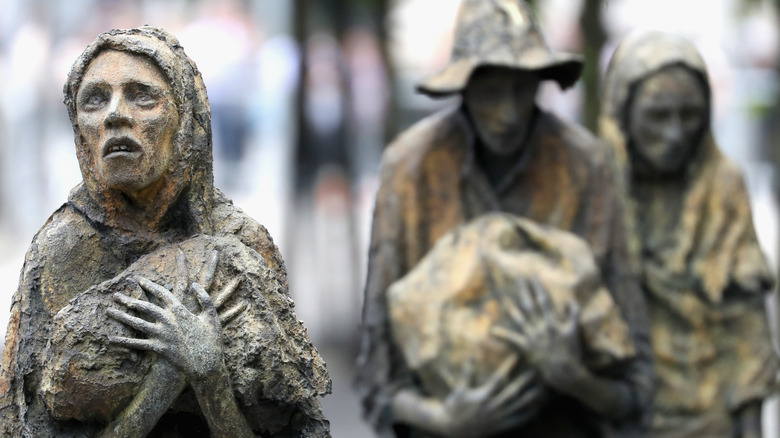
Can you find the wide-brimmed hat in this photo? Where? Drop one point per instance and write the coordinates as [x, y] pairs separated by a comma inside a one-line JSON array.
[[500, 33]]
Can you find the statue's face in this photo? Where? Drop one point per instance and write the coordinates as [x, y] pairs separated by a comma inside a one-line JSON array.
[[128, 120], [665, 121], [501, 104]]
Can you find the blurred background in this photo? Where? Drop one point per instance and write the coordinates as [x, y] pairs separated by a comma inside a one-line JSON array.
[[305, 94]]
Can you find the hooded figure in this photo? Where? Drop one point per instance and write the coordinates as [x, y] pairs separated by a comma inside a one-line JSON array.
[[450, 169], [703, 272], [69, 367]]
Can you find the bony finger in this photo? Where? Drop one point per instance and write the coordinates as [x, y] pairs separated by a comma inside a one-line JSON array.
[[500, 375], [211, 268], [228, 315], [466, 375], [514, 313], [525, 297], [139, 324], [527, 399], [138, 344], [204, 299], [515, 338], [540, 295], [449, 379], [139, 305], [518, 385], [124, 299], [569, 319], [164, 295], [506, 366], [517, 413], [227, 292]]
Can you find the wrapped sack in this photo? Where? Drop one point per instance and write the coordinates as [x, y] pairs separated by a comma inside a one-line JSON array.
[[443, 310]]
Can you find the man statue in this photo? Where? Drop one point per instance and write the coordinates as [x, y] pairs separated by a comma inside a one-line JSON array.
[[148, 304], [499, 152], [704, 274]]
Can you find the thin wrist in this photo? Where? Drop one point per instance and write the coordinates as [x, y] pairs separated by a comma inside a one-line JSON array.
[[411, 408], [566, 375], [211, 381]]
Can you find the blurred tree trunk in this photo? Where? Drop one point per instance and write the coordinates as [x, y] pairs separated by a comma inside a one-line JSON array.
[[378, 11], [594, 37], [300, 32]]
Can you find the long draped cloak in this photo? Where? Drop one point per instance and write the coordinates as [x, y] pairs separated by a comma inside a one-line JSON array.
[[430, 184], [703, 271], [276, 374]]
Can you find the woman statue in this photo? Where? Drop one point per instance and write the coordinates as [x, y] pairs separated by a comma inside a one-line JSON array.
[[148, 304], [703, 271]]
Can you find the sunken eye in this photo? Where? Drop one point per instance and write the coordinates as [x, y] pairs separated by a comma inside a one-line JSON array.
[[94, 100], [145, 99], [657, 115], [144, 96]]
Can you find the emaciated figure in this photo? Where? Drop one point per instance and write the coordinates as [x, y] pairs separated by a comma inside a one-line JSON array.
[[112, 329], [703, 271], [498, 152]]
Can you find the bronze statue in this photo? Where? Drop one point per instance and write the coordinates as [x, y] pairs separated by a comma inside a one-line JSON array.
[[498, 152], [703, 271], [148, 304]]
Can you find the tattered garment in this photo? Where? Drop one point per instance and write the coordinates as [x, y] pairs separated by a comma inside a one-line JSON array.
[[431, 185], [442, 311], [703, 270], [60, 377]]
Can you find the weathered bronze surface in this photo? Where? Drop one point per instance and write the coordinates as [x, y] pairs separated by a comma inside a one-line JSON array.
[[443, 321], [703, 271], [501, 33], [498, 152], [148, 304]]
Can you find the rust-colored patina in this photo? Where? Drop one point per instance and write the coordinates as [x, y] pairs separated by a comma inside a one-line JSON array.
[[703, 272], [431, 185], [77, 361], [442, 312], [498, 152]]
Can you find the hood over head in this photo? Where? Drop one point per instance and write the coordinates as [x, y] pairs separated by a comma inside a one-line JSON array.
[[640, 55], [188, 187], [708, 238]]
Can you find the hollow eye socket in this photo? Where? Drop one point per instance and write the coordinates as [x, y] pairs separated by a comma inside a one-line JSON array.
[[657, 115], [94, 99], [144, 96]]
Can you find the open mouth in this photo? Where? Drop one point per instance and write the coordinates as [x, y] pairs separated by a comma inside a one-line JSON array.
[[120, 146]]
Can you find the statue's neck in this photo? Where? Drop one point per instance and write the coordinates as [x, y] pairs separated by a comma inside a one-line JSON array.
[[499, 167], [150, 210]]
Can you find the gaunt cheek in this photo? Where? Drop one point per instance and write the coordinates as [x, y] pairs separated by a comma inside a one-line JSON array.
[[154, 122], [89, 126], [154, 128]]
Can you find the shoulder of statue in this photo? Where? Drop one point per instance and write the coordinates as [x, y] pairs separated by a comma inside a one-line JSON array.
[[579, 140], [63, 228], [729, 174], [445, 130], [228, 219], [231, 220]]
